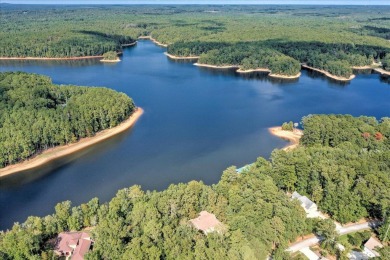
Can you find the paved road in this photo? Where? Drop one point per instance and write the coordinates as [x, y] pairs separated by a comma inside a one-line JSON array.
[[353, 228], [304, 243], [314, 240], [310, 254]]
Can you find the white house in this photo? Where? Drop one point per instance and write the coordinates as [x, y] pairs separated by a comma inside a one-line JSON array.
[[370, 246], [309, 206]]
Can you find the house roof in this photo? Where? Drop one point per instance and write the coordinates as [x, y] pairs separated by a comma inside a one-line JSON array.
[[305, 201], [372, 243], [205, 222], [68, 241], [81, 249], [244, 168]]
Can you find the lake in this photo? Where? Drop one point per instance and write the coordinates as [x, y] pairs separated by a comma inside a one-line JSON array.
[[197, 122]]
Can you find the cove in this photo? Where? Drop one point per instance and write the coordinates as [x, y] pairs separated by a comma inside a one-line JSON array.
[[197, 122]]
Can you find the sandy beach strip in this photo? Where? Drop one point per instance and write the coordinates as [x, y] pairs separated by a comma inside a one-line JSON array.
[[42, 58], [280, 76], [217, 67], [110, 61], [253, 70], [174, 57], [153, 40], [61, 151], [129, 44], [382, 71], [292, 136], [367, 67], [328, 74], [239, 70]]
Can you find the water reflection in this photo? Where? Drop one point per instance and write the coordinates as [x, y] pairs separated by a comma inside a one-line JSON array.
[[197, 122], [24, 177]]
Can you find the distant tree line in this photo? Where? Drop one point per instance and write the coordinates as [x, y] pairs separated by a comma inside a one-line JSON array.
[[279, 38], [283, 57], [36, 115]]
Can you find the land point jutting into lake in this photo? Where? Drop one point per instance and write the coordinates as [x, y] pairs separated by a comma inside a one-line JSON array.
[[275, 145]]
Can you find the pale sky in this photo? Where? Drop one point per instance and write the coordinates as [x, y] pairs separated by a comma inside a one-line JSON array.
[[318, 2]]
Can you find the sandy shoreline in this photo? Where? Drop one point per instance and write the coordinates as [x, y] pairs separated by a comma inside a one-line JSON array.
[[217, 67], [328, 74], [174, 57], [367, 67], [153, 40], [382, 71], [41, 58], [61, 151], [239, 70], [292, 136], [129, 44], [279, 76], [111, 61], [253, 70], [64, 58]]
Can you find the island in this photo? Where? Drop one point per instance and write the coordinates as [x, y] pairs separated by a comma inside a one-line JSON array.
[[111, 57], [45, 122]]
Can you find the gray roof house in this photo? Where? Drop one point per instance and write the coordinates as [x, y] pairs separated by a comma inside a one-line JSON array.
[[309, 206]]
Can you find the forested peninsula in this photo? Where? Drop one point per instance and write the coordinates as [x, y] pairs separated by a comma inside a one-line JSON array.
[[278, 39], [342, 164], [37, 115]]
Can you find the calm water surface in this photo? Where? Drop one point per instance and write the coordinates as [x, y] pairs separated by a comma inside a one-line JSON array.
[[197, 122]]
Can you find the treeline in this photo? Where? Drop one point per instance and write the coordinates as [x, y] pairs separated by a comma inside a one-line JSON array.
[[343, 166], [75, 44], [260, 220], [36, 115], [64, 31], [283, 57], [336, 58], [245, 55]]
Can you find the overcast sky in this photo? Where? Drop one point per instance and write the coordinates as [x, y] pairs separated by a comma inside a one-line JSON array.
[[327, 2]]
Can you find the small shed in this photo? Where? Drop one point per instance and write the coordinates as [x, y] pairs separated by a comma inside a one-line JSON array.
[[207, 223], [370, 246]]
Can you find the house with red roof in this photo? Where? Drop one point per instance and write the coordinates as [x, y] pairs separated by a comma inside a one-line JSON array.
[[207, 223], [73, 245]]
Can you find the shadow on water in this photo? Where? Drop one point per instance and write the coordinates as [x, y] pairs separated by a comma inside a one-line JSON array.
[[332, 82], [40, 172], [51, 63], [252, 76]]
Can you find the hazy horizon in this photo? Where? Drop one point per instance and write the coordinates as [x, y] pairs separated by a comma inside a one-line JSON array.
[[205, 2]]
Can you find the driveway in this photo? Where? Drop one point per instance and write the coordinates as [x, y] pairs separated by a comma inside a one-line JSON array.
[[310, 254], [344, 230]]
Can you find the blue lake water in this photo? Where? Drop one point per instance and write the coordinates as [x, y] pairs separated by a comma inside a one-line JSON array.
[[197, 122]]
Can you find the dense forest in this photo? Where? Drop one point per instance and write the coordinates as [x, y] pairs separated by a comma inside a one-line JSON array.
[[330, 38], [36, 115], [343, 164], [283, 57]]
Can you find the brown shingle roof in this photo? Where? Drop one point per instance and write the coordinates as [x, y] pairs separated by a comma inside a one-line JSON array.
[[67, 242], [372, 243], [206, 222], [81, 249]]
